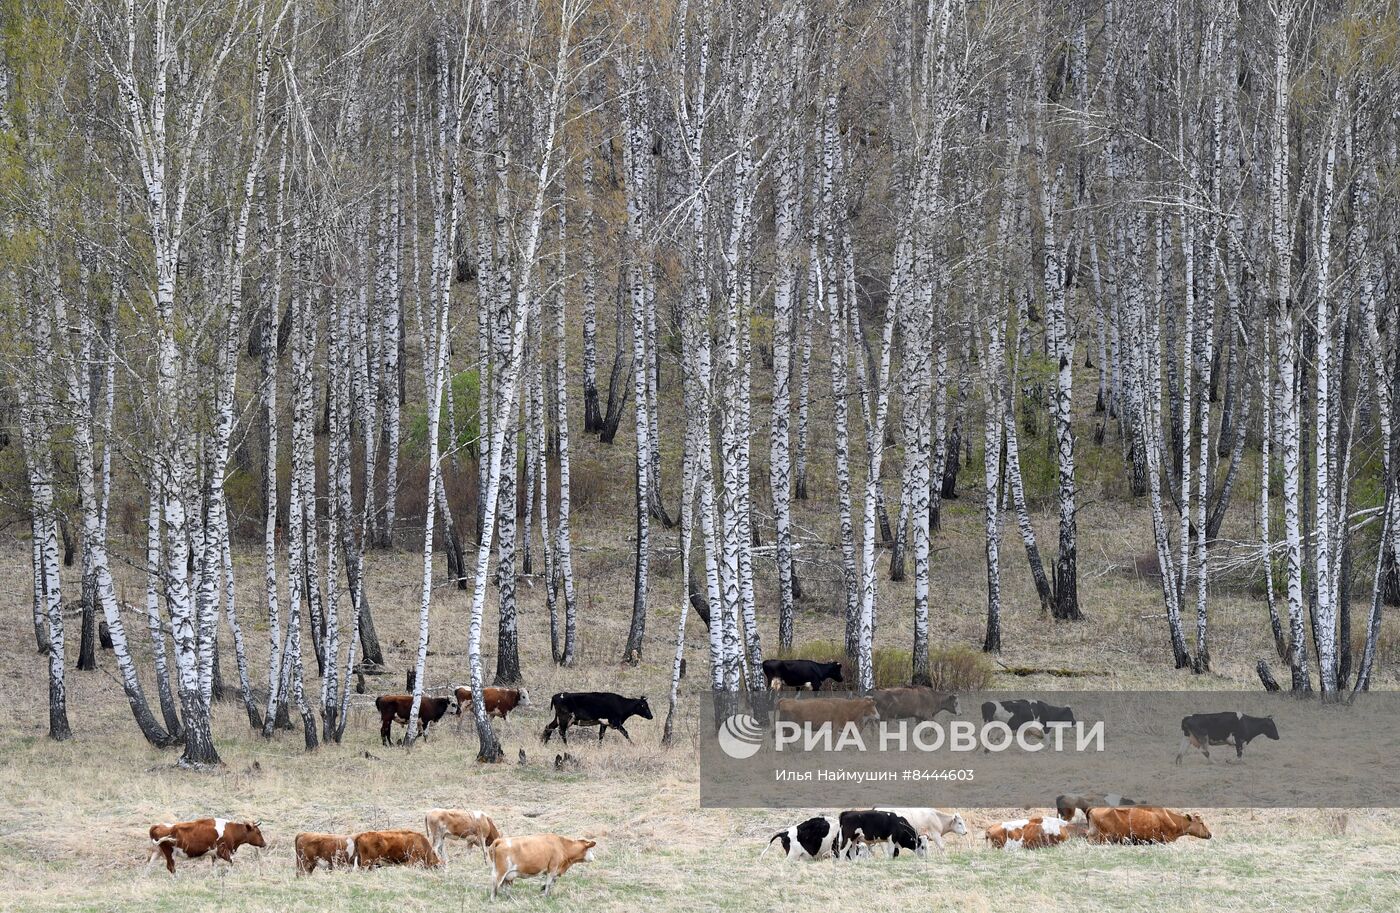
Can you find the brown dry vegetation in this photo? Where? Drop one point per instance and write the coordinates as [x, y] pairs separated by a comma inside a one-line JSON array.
[[73, 816]]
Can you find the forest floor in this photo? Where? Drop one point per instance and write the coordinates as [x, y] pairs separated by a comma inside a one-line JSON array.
[[73, 816]]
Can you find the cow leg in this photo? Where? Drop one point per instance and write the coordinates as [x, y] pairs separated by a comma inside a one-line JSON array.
[[168, 852], [548, 880], [549, 730], [602, 728], [385, 729], [622, 729]]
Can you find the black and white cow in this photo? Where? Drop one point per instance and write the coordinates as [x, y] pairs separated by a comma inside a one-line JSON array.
[[1202, 730], [815, 838], [861, 828], [799, 673], [1018, 713], [587, 708]]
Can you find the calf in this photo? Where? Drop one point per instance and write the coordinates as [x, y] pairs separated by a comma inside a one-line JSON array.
[[393, 847], [1067, 805], [861, 828], [931, 823], [799, 673], [1033, 833], [837, 711], [587, 708], [192, 839], [498, 701], [332, 849], [539, 854], [393, 707], [815, 838], [1202, 730], [475, 828], [914, 703]]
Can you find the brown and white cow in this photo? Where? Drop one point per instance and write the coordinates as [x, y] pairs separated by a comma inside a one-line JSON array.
[[1066, 805], [192, 839], [1143, 824], [473, 827], [498, 701], [394, 847], [393, 707], [1033, 833], [538, 854], [331, 849]]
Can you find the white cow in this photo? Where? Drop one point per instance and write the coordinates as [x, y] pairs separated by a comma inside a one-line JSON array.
[[931, 822]]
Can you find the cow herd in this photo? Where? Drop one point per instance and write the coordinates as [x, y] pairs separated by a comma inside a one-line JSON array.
[[1107, 819], [510, 858]]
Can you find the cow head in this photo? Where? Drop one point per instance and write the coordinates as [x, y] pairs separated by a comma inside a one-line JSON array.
[[1196, 827], [1267, 727], [959, 825], [643, 708], [524, 698], [255, 835], [957, 708], [586, 849], [833, 672]]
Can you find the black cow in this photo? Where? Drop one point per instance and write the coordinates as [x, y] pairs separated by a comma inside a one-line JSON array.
[[860, 828], [398, 706], [800, 673], [586, 708], [815, 838], [1202, 730]]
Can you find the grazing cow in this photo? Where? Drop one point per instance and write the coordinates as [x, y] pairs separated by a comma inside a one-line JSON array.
[[332, 849], [931, 823], [799, 673], [393, 707], [394, 847], [862, 828], [1033, 833], [914, 703], [834, 710], [499, 701], [538, 854], [1143, 824], [192, 839], [474, 827], [588, 708], [815, 838], [1202, 730], [1067, 805]]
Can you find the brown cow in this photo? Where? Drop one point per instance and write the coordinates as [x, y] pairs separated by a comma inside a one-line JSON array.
[[394, 847], [332, 849], [393, 707], [1143, 824], [499, 701], [192, 839], [914, 703], [538, 854], [836, 711], [1033, 833], [474, 827]]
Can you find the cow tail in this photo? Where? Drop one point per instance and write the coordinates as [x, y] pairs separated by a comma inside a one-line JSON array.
[[771, 841]]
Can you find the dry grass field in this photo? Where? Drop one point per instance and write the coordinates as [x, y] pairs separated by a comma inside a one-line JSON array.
[[73, 816]]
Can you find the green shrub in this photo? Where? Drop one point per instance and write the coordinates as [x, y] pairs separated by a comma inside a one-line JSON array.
[[466, 394], [959, 668]]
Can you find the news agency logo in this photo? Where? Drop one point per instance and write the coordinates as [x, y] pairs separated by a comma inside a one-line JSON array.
[[741, 736]]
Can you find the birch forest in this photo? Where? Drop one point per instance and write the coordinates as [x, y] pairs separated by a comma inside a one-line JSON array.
[[295, 287]]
